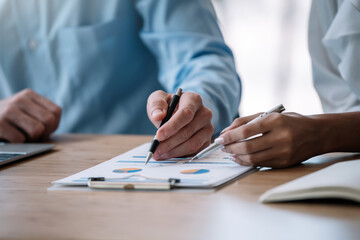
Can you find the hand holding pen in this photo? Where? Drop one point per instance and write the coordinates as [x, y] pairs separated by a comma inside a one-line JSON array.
[[188, 130], [288, 139], [173, 104], [234, 138]]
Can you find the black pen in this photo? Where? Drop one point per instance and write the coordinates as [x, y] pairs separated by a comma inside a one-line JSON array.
[[155, 143]]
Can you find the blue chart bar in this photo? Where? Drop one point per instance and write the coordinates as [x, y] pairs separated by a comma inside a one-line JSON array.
[[83, 179]]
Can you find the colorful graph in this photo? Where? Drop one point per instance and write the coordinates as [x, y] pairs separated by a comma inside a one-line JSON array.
[[195, 171], [127, 170]]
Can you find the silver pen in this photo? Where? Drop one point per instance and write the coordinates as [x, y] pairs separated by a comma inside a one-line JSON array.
[[215, 146]]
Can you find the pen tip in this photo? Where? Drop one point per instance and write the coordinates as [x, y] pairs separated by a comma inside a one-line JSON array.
[[149, 156]]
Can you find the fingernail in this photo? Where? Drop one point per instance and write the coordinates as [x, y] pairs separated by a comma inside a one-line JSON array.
[[223, 149], [219, 140], [157, 112]]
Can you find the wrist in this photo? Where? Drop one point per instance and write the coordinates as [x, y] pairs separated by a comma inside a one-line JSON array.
[[337, 132], [317, 137]]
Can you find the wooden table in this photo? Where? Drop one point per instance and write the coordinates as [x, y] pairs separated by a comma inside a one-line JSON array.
[[29, 211]]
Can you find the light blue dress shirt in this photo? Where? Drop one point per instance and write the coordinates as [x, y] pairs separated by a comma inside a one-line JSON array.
[[100, 60], [334, 44]]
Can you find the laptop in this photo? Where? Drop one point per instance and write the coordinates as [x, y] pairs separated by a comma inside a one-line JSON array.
[[10, 152]]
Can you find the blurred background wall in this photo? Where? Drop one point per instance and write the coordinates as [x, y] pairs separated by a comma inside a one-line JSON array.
[[269, 41]]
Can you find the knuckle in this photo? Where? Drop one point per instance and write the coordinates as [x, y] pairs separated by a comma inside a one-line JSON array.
[[286, 151], [186, 133], [26, 92], [17, 100], [207, 114], [277, 118], [49, 119], [188, 112], [237, 121], [288, 137], [37, 130], [193, 146], [173, 125], [57, 110], [197, 97]]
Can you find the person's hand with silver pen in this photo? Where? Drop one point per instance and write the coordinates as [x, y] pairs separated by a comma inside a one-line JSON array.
[[286, 140], [217, 144]]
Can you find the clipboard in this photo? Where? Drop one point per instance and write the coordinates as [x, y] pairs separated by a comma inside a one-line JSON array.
[[151, 183], [128, 184], [128, 171]]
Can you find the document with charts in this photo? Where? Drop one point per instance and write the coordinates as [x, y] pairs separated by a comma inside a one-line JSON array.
[[208, 172]]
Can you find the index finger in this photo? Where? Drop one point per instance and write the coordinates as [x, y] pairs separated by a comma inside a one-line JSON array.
[[246, 131], [189, 104], [239, 121]]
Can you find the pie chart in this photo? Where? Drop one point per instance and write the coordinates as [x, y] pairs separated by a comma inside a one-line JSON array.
[[127, 170], [195, 171]]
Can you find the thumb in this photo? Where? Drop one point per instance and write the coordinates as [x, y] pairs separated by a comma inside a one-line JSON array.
[[157, 105]]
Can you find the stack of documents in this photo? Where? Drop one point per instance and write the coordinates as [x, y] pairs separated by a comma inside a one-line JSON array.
[[129, 171]]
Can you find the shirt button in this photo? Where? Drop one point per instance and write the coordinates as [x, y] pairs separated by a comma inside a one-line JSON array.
[[33, 44]]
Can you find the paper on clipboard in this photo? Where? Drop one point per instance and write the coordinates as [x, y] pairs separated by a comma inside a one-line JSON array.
[[209, 172]]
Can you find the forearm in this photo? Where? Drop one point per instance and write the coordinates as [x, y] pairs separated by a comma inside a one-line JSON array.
[[337, 132], [220, 89], [191, 53]]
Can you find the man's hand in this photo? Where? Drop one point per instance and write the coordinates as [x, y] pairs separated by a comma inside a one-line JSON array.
[[27, 116], [187, 132], [288, 139]]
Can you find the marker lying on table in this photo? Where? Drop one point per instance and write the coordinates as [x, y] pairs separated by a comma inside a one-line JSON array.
[[155, 143], [215, 146]]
